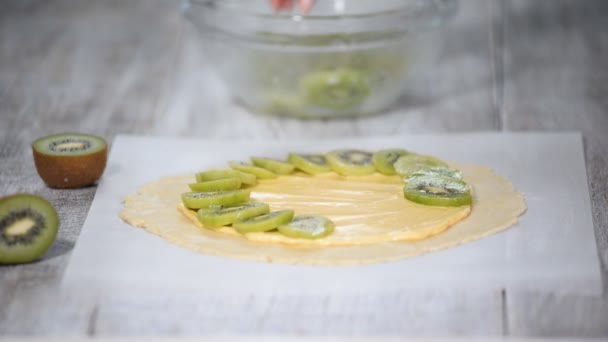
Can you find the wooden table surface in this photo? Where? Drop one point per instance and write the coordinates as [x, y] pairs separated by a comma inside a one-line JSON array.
[[112, 67]]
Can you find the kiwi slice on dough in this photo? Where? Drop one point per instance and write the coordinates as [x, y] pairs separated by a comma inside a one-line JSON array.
[[223, 216], [383, 160], [335, 89], [438, 191], [265, 222], [255, 170], [351, 162], [232, 183], [307, 227], [246, 178], [198, 200], [411, 163], [70, 160], [276, 166], [310, 163], [28, 227], [441, 171]]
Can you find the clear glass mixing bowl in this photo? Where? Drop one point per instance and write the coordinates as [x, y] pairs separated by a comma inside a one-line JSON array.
[[345, 58]]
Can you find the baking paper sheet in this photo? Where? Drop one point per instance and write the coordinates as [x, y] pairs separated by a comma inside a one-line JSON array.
[[552, 248]]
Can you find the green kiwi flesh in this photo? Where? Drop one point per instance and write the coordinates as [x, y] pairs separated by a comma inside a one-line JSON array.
[[351, 162], [265, 222], [255, 170], [276, 166], [438, 191], [28, 227], [198, 200], [246, 178], [310, 163], [70, 160], [335, 89], [233, 183], [222, 216], [383, 160], [411, 163], [307, 227]]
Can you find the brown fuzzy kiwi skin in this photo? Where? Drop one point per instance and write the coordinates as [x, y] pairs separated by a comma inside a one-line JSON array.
[[63, 172]]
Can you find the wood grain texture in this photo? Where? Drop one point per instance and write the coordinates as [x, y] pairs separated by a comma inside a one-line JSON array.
[[108, 67], [556, 78]]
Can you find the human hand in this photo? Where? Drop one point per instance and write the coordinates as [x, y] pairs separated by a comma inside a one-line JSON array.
[[279, 5]]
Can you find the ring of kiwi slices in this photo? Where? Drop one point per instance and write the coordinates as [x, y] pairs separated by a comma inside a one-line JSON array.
[[219, 200]]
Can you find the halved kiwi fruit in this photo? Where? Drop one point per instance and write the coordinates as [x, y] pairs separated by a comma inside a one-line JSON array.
[[335, 89], [255, 170], [28, 227], [246, 178], [265, 222], [232, 183], [276, 166], [310, 163], [198, 200], [70, 160], [351, 162], [438, 191], [307, 227], [411, 163], [223, 216], [383, 160]]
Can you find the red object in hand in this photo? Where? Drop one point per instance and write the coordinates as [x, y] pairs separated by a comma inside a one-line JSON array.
[[279, 5]]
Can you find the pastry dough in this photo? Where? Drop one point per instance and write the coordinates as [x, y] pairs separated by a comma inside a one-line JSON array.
[[374, 223]]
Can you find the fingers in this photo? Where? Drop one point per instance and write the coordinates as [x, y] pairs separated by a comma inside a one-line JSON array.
[[279, 5], [306, 5]]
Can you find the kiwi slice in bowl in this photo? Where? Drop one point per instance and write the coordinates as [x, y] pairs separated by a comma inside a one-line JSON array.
[[28, 227], [70, 160], [223, 216], [383, 160], [307, 227], [210, 175], [276, 166], [438, 191], [198, 200], [232, 183], [310, 163], [255, 170], [408, 164], [265, 222], [335, 89], [351, 162]]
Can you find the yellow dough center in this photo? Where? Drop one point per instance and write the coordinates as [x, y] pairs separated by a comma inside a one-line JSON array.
[[366, 209]]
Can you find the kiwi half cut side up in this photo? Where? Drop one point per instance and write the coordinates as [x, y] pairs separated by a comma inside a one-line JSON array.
[[276, 166], [383, 160], [438, 191], [70, 160], [335, 89], [313, 164], [28, 227], [351, 162]]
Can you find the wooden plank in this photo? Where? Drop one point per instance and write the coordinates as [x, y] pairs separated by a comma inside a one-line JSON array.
[[556, 68]]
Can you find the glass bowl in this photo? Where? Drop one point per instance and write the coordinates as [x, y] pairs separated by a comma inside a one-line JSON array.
[[345, 58]]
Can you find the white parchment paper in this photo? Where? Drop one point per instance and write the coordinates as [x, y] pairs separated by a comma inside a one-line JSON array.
[[553, 247]]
